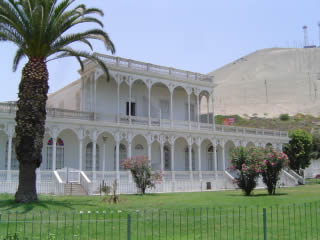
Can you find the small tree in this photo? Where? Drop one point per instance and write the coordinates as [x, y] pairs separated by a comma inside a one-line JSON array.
[[299, 149], [315, 145], [141, 172], [272, 165], [247, 160]]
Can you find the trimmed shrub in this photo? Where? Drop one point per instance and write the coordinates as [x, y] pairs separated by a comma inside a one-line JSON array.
[[284, 117]]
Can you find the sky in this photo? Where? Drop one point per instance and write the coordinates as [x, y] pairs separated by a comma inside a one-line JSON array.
[[198, 36]]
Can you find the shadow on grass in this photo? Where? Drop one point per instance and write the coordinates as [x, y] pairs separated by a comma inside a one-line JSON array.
[[41, 205], [257, 195]]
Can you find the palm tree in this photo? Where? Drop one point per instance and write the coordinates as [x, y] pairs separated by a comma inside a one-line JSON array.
[[40, 30]]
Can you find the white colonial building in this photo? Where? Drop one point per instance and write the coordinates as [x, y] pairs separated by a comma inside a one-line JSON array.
[[143, 109]]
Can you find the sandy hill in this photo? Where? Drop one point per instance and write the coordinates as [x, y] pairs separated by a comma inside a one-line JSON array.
[[270, 82]]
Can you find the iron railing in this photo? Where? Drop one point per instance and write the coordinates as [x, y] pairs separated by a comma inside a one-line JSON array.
[[275, 222]]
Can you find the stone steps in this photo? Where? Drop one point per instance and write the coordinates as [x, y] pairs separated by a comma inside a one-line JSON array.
[[74, 189]]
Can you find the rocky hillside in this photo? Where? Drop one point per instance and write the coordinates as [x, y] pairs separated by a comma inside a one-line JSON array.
[[270, 82]]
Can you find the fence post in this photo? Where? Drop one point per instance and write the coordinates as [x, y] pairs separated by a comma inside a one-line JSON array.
[[129, 227], [264, 223]]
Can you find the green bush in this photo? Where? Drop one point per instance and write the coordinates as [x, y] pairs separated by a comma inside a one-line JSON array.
[[299, 149], [284, 117]]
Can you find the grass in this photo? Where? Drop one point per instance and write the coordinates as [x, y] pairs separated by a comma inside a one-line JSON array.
[[291, 214], [168, 201]]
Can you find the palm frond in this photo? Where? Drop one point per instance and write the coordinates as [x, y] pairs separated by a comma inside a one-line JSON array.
[[18, 57], [69, 52]]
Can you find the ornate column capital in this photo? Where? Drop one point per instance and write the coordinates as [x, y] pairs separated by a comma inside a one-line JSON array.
[[80, 134], [171, 87], [54, 132], [188, 90], [197, 91], [128, 80], [198, 141], [172, 139], [149, 83], [190, 140], [93, 135], [214, 142]]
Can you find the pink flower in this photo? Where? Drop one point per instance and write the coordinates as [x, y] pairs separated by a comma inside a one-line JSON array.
[[272, 164]]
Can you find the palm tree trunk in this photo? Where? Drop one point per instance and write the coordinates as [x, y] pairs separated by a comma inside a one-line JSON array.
[[30, 128]]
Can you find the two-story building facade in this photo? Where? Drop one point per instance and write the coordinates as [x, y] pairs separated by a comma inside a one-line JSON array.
[[142, 109]]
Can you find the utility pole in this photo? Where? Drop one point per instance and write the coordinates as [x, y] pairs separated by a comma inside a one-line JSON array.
[[266, 86]]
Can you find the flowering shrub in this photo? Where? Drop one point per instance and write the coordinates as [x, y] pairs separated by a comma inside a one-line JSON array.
[[141, 172], [272, 165], [247, 160]]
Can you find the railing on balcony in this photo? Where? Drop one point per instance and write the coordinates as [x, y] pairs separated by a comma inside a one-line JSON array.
[[152, 68], [10, 108]]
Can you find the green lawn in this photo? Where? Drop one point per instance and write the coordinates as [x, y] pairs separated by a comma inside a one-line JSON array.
[[291, 214], [224, 199]]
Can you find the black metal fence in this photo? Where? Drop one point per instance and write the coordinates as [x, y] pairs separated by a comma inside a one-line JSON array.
[[277, 222]]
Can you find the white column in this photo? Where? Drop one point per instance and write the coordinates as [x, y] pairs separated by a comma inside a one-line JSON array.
[[171, 108], [190, 161], [149, 152], [172, 162], [149, 105], [80, 153], [198, 110], [208, 113], [54, 153], [94, 159], [213, 119], [117, 160], [215, 161], [130, 90], [9, 156], [161, 157], [104, 159], [189, 111], [118, 102], [94, 95], [129, 156], [223, 158], [199, 161]]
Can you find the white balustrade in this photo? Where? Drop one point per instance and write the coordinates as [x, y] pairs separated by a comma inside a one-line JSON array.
[[147, 67]]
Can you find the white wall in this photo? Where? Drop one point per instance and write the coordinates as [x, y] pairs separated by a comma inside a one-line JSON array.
[[67, 97]]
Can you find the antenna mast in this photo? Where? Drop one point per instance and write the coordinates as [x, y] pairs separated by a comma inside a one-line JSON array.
[[305, 30]]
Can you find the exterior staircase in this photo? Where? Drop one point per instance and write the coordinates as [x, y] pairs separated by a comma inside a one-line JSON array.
[[74, 189]]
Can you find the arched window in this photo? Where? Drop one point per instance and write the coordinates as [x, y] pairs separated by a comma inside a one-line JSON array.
[[210, 158], [122, 155], [167, 158], [139, 149], [14, 161], [186, 158], [89, 160], [59, 154]]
